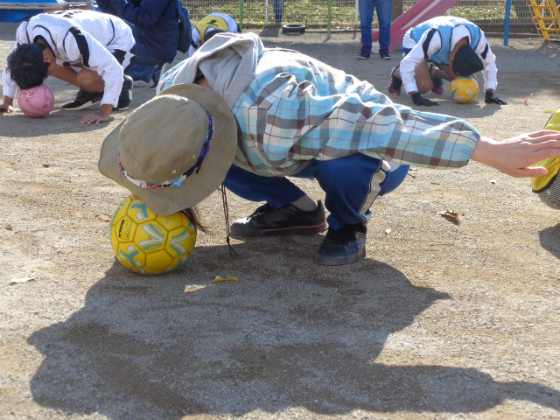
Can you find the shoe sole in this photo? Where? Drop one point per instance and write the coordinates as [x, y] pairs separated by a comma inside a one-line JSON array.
[[347, 259], [88, 104], [288, 231]]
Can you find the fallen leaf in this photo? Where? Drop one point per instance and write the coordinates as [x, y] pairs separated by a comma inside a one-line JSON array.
[[229, 278], [46, 165], [452, 216], [21, 280], [8, 227], [194, 287], [547, 111]]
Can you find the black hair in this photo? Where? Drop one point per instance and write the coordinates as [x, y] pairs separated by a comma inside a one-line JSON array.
[[467, 62], [26, 65], [210, 32]]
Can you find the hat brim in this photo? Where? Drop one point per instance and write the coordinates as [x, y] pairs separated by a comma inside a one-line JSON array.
[[197, 186]]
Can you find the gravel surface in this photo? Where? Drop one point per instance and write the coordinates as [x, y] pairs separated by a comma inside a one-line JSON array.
[[440, 321]]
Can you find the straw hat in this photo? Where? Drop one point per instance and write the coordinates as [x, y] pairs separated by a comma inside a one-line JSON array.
[[174, 150]]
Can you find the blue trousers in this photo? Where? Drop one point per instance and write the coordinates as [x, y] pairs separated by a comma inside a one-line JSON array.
[[278, 7], [384, 14], [351, 185], [144, 64]]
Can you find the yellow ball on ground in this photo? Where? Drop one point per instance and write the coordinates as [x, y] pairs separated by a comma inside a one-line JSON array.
[[149, 244], [464, 90], [547, 187]]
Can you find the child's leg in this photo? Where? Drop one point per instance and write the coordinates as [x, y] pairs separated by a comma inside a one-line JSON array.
[[90, 81], [276, 191], [423, 77], [353, 183], [444, 72], [64, 73]]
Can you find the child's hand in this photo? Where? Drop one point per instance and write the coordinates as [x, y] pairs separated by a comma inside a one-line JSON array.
[[514, 156], [6, 108], [94, 119]]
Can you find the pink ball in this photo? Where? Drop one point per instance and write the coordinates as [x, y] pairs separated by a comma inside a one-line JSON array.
[[37, 101]]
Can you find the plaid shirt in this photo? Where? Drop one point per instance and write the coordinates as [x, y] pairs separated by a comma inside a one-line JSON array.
[[298, 109]]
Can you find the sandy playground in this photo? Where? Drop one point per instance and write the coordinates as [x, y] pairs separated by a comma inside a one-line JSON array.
[[440, 321]]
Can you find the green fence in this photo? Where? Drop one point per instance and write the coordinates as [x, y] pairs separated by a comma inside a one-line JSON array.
[[342, 14]]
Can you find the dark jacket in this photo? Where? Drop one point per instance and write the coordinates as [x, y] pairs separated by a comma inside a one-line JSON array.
[[156, 25]]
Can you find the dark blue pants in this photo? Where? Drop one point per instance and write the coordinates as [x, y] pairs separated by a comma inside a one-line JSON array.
[[384, 11], [351, 185], [144, 64]]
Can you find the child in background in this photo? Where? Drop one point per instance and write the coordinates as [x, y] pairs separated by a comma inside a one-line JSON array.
[[209, 26], [54, 44]]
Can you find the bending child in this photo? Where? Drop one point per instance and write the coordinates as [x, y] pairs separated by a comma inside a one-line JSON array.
[[249, 117], [54, 44]]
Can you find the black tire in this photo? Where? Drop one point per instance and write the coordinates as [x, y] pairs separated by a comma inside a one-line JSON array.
[[293, 28]]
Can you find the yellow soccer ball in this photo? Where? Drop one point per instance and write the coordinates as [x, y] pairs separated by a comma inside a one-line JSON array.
[[464, 90], [149, 244]]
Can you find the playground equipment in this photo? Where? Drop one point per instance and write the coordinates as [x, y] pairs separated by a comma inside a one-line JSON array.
[[547, 18], [420, 12]]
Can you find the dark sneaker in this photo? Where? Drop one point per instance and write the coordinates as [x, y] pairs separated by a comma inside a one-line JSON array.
[[160, 69], [155, 77], [83, 100], [395, 83], [342, 246], [287, 220], [438, 86], [384, 55], [125, 98], [363, 56]]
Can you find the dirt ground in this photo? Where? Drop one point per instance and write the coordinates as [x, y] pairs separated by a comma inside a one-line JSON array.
[[440, 321]]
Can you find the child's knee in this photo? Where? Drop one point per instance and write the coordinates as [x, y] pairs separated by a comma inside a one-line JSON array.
[[90, 81]]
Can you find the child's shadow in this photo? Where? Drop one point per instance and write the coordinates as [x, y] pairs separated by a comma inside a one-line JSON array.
[[286, 335]]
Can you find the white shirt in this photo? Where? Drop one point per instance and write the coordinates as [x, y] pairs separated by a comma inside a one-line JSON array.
[[416, 56], [102, 33]]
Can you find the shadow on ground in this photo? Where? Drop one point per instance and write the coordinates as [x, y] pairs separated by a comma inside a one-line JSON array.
[[283, 336], [549, 240]]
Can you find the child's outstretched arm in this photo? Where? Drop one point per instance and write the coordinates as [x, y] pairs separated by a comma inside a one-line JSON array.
[[514, 156]]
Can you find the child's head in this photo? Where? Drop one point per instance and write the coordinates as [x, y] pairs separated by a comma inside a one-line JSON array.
[[210, 32], [466, 62], [26, 65]]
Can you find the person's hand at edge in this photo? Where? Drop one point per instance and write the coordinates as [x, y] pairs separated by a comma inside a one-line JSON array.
[[104, 115], [491, 99], [421, 101], [94, 119], [7, 105], [514, 156], [6, 108]]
